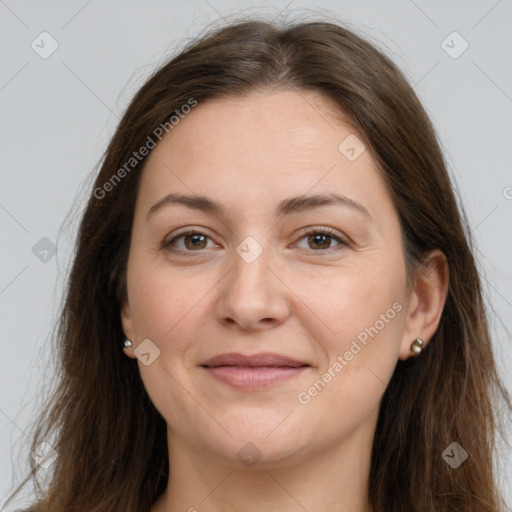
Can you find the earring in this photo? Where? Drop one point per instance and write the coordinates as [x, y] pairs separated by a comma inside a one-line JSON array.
[[127, 343], [417, 346]]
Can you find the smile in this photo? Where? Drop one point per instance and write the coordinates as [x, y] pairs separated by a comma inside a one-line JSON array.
[[254, 377], [253, 372]]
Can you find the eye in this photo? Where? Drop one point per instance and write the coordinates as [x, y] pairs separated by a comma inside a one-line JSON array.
[[321, 238], [318, 239], [188, 241]]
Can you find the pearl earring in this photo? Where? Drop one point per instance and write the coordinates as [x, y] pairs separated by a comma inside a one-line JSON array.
[[417, 346], [127, 343]]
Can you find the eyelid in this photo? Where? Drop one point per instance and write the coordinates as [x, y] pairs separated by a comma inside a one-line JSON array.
[[312, 230], [181, 233], [342, 240]]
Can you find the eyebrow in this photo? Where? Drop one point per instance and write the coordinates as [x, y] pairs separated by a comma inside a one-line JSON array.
[[287, 206]]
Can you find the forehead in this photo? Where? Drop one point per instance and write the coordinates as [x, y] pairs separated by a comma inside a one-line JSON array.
[[281, 123], [258, 149]]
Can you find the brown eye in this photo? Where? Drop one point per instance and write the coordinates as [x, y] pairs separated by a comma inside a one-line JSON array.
[[190, 241], [195, 241], [321, 240]]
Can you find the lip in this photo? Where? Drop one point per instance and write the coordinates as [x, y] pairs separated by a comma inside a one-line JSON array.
[[259, 359], [253, 372]]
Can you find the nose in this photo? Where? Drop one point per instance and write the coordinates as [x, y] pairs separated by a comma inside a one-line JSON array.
[[252, 295]]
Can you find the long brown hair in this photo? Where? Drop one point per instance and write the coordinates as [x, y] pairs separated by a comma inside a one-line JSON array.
[[110, 439]]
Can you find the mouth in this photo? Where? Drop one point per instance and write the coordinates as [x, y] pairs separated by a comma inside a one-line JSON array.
[[253, 372]]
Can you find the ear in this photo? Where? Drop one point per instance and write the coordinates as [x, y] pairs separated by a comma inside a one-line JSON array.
[[426, 303], [126, 321]]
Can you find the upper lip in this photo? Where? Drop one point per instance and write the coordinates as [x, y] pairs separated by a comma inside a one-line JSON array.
[[261, 359]]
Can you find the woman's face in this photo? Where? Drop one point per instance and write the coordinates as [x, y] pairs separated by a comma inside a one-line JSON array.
[[254, 181]]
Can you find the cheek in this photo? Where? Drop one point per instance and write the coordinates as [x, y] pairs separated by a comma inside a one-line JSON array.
[[168, 304], [366, 308], [365, 318], [362, 308], [362, 298]]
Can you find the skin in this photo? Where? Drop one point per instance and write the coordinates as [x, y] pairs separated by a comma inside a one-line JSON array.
[[306, 298]]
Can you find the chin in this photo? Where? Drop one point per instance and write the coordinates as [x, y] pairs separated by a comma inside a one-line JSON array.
[[257, 454], [271, 439]]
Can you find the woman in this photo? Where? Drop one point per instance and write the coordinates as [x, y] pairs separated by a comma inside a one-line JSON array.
[[274, 303]]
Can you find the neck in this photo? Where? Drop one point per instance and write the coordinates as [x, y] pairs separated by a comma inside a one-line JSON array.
[[334, 479]]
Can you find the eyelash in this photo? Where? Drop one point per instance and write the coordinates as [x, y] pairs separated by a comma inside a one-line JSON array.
[[315, 231]]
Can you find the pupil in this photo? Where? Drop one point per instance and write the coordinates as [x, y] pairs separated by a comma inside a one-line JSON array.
[[320, 239], [197, 240]]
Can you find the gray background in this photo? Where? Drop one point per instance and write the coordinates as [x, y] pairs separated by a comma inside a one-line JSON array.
[[59, 112]]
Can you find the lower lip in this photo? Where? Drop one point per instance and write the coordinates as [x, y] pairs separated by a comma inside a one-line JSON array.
[[257, 377]]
